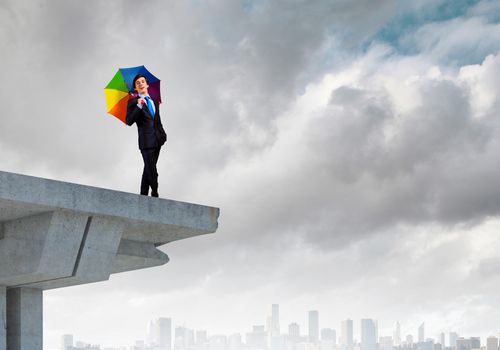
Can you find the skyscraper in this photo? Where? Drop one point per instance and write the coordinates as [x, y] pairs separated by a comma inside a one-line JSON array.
[[184, 338], [150, 333], [475, 342], [201, 342], [442, 340], [492, 343], [397, 335], [163, 333], [464, 344], [421, 333], [313, 326], [368, 334], [346, 337], [66, 341], [453, 339], [293, 336], [294, 332], [275, 320], [275, 340]]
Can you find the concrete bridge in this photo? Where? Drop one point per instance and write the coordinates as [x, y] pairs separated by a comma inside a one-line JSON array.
[[55, 234]]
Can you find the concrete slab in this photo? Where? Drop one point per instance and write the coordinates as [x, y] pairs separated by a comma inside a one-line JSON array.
[[157, 220], [55, 234]]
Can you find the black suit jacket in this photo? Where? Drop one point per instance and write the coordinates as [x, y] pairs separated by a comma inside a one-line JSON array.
[[151, 132]]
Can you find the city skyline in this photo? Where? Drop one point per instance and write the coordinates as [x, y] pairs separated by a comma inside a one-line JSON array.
[[168, 335]]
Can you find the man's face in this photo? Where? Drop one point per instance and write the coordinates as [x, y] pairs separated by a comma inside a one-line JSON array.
[[141, 85]]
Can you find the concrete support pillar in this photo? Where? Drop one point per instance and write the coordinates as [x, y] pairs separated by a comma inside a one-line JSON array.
[[24, 319], [3, 318]]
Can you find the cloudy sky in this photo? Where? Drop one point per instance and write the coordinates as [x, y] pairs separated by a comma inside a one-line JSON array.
[[352, 146]]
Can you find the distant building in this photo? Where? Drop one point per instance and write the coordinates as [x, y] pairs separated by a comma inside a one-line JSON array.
[[328, 339], [80, 344], [313, 326], [464, 344], [275, 340], [201, 341], [326, 345], [161, 333], [92, 347], [184, 338], [442, 340], [66, 341], [453, 339], [294, 332], [256, 340], [293, 337], [397, 334], [329, 334], [386, 343], [275, 320], [139, 345], [217, 342], [426, 345], [368, 334], [346, 335], [475, 342], [492, 343], [234, 342], [409, 340], [421, 333]]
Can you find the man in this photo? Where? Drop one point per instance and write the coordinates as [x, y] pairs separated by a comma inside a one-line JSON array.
[[143, 111]]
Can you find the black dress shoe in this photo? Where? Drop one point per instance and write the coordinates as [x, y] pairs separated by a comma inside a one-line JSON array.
[[154, 194]]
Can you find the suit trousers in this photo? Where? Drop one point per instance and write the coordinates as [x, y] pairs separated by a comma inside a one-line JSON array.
[[150, 173]]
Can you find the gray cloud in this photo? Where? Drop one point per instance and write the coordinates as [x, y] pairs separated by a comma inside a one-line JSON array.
[[227, 77], [348, 176]]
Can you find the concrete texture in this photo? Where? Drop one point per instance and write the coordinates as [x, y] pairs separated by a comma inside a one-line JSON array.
[[24, 319], [3, 318], [157, 220], [55, 234]]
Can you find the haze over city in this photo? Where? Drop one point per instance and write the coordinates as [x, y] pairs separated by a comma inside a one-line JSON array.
[[351, 146], [161, 334]]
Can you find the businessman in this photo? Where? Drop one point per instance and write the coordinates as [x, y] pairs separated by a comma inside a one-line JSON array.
[[143, 111]]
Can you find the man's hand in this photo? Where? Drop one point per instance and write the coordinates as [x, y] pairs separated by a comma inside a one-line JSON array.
[[141, 102]]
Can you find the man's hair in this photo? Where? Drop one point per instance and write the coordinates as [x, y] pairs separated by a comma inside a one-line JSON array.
[[139, 76]]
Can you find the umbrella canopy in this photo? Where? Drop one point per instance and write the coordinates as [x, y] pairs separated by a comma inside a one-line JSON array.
[[119, 90]]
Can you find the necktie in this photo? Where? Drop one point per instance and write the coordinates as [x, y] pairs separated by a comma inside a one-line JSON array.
[[150, 106]]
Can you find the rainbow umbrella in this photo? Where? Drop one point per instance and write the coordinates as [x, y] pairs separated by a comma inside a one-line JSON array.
[[119, 90]]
